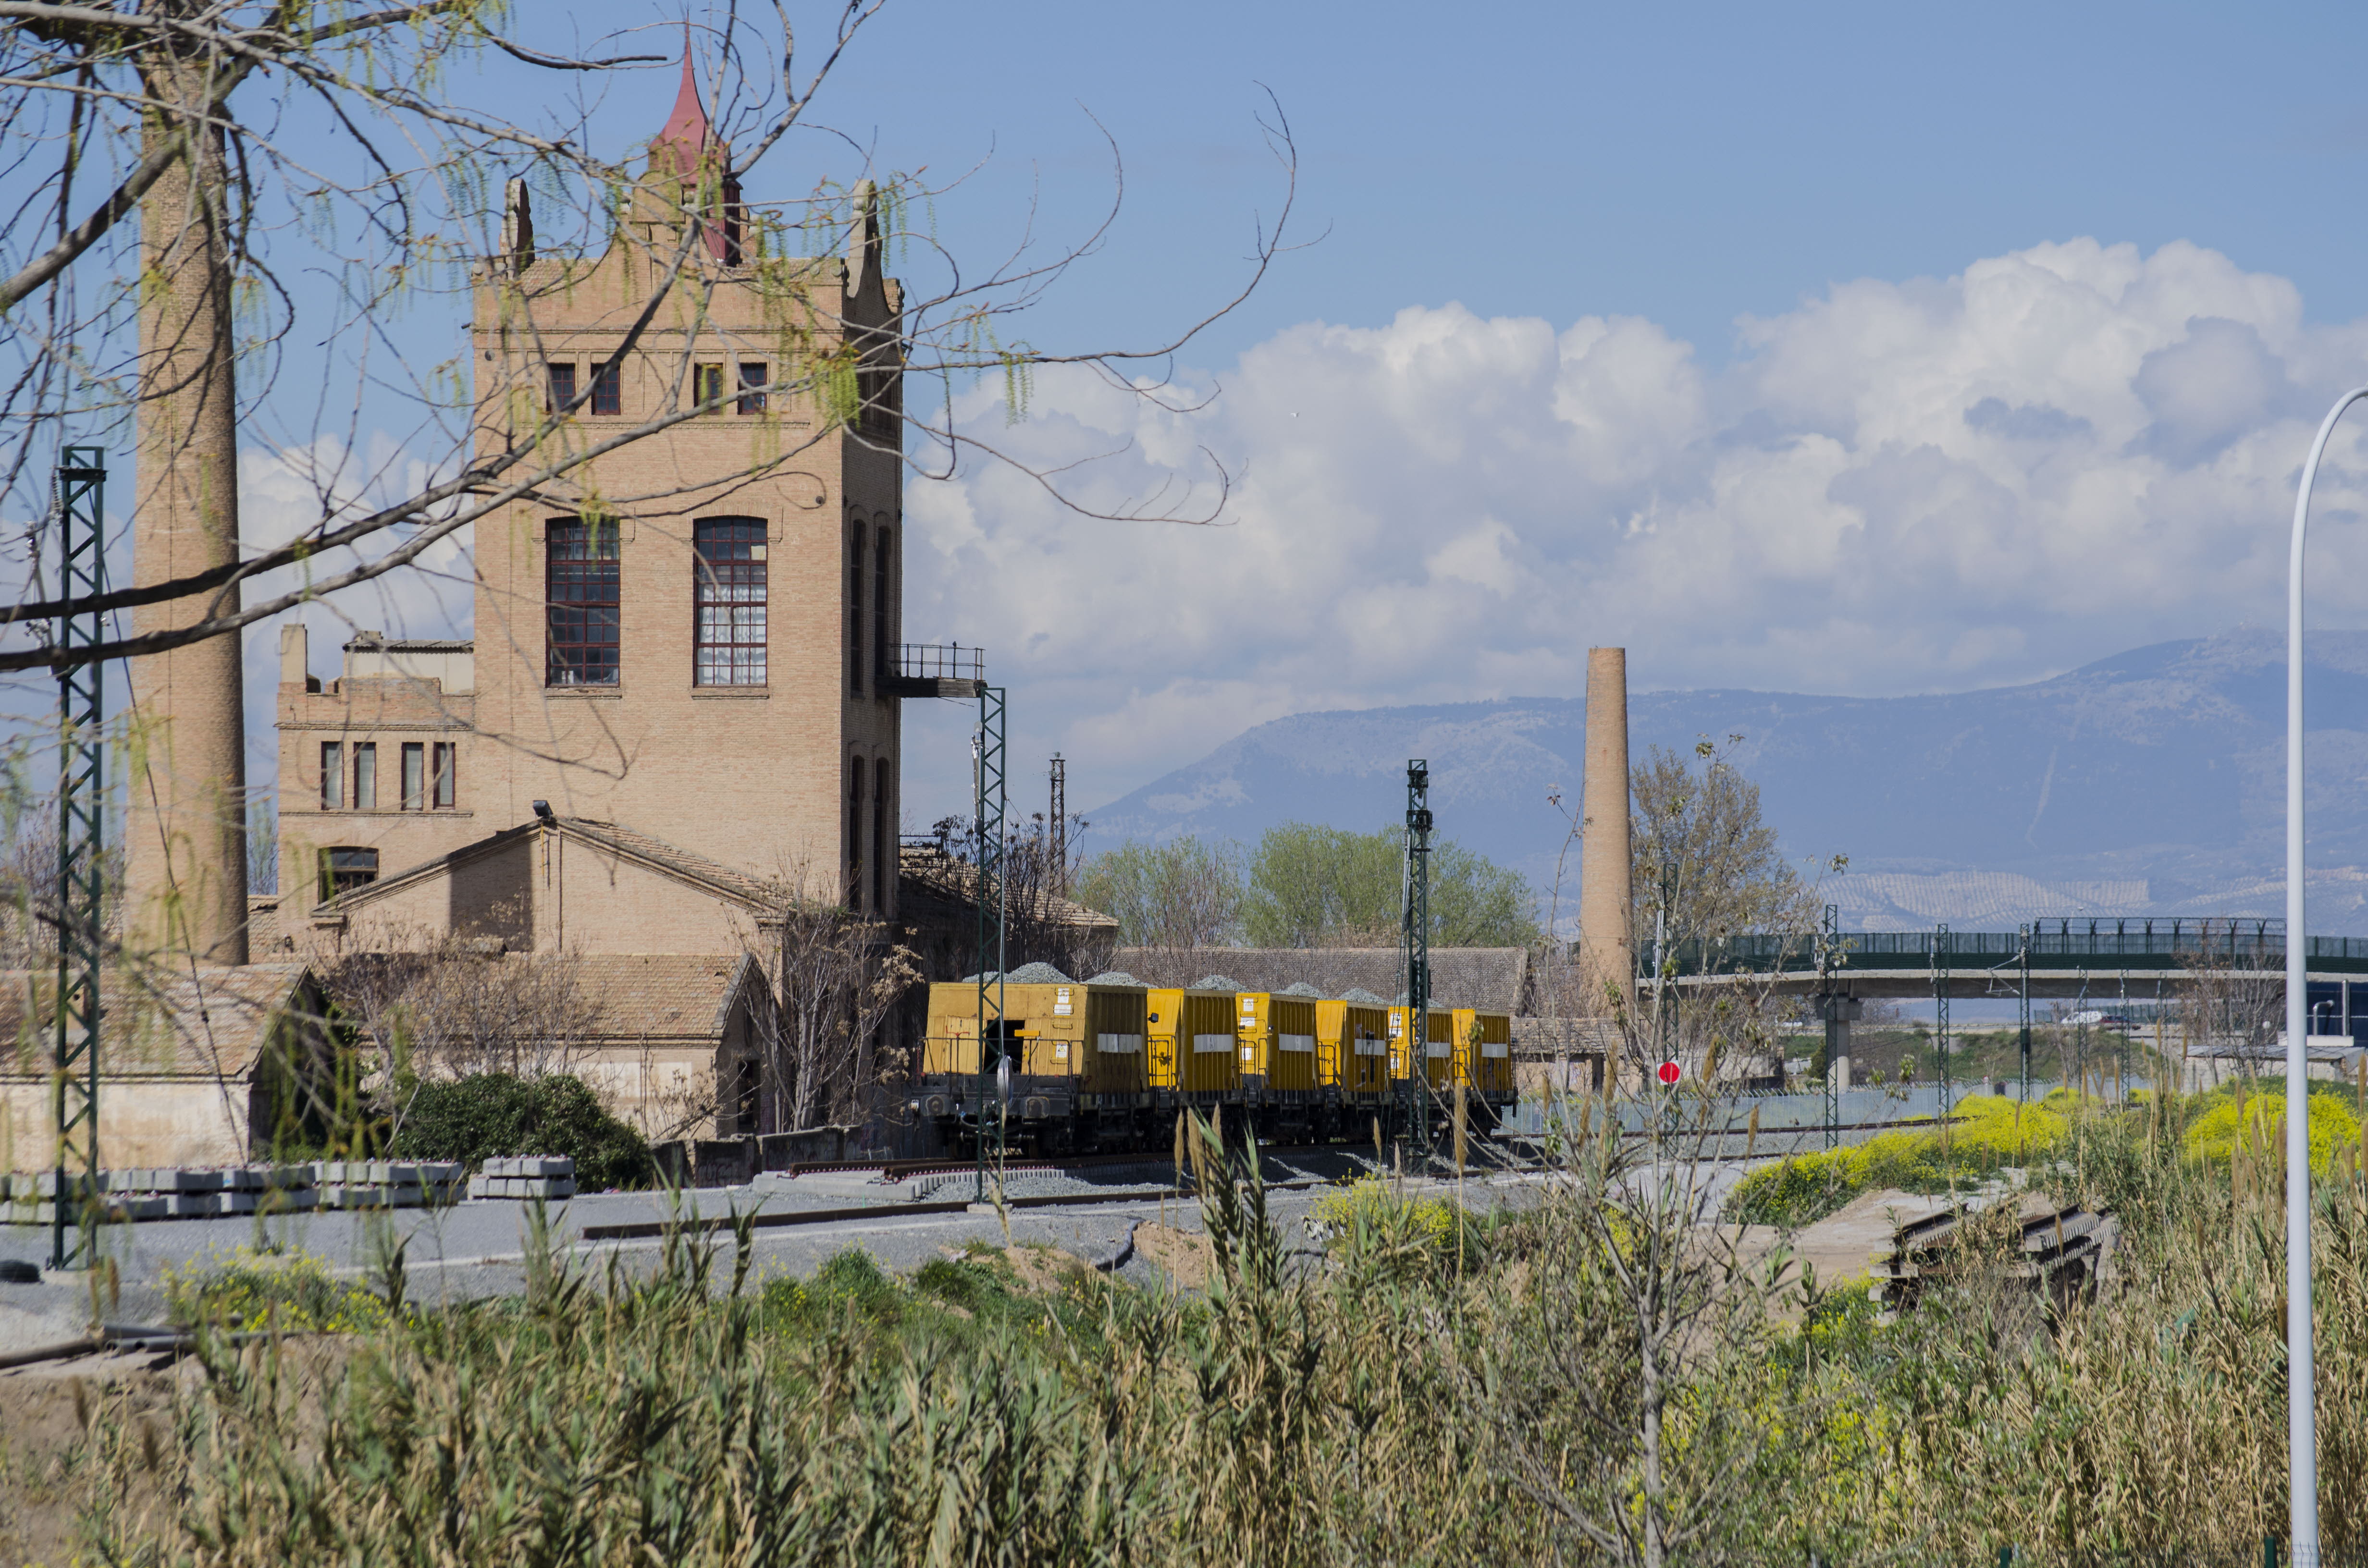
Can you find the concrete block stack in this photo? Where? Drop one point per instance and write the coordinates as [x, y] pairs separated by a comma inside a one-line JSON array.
[[547, 1176], [388, 1184], [179, 1193]]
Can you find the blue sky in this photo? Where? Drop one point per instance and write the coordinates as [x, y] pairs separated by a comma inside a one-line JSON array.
[[1847, 347]]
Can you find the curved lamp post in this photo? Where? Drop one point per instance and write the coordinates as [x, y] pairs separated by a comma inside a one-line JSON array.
[[2302, 1431]]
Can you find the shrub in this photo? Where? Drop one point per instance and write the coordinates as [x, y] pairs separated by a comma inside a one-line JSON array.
[[2257, 1122], [488, 1115], [242, 1289]]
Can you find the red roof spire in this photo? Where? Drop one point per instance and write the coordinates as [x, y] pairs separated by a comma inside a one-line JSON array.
[[687, 136]]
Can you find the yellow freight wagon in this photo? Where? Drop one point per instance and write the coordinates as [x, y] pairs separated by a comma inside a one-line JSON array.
[[1065, 1057], [1352, 1049], [1193, 1054], [1438, 1047], [1277, 1045], [1484, 1054]]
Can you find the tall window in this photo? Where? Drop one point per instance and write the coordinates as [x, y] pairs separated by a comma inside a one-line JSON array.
[[332, 776], [580, 595], [730, 596], [366, 777], [855, 613], [706, 383], [441, 759], [752, 374], [881, 848], [563, 386], [855, 833], [607, 395], [414, 775], [881, 666], [344, 869]]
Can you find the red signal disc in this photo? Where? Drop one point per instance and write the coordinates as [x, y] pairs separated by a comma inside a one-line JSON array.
[[1670, 1072]]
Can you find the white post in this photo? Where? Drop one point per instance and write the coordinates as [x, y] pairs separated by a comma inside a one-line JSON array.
[[2302, 1430]]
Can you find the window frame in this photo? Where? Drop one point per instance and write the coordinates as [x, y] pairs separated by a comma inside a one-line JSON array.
[[332, 776], [742, 660], [355, 874], [706, 387], [443, 776], [571, 557], [558, 385], [365, 776], [855, 608], [753, 401], [413, 775], [608, 390]]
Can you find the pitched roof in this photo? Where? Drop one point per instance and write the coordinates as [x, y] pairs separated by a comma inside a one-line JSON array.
[[931, 882], [758, 893], [212, 1023], [665, 996], [1494, 979]]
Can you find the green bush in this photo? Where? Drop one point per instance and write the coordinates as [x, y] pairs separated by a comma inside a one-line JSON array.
[[489, 1115]]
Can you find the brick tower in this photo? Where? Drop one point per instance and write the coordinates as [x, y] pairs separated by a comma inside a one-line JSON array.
[[693, 636], [185, 841]]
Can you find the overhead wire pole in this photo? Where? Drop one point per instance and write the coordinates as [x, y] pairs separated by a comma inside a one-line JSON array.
[[1059, 825], [2301, 1428], [2022, 971], [1941, 1013], [988, 775], [82, 799], [1417, 950]]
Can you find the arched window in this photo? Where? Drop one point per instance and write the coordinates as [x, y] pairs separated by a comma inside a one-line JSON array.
[[855, 611], [855, 833], [728, 592], [883, 848], [882, 657]]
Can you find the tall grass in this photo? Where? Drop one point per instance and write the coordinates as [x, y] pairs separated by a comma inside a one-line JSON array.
[[1589, 1379]]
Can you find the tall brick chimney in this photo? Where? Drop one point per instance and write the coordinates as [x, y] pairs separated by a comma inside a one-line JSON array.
[[184, 848], [1607, 948]]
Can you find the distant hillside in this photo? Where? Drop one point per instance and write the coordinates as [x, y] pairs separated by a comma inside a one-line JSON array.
[[2151, 782]]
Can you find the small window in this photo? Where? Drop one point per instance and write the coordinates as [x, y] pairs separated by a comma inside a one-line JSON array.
[[880, 846], [855, 614], [366, 777], [606, 396], [707, 385], [880, 592], [752, 376], [414, 777], [332, 776], [563, 386], [343, 870], [442, 762], [854, 834], [580, 587], [729, 598]]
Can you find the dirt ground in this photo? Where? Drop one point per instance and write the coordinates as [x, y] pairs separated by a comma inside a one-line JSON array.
[[1183, 1255], [48, 1471]]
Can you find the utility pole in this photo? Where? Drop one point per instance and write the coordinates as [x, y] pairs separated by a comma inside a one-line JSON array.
[[1060, 825], [1417, 948], [1940, 1011], [988, 776], [81, 800], [2022, 965]]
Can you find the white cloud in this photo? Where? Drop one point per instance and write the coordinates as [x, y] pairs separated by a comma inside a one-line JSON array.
[[1897, 487]]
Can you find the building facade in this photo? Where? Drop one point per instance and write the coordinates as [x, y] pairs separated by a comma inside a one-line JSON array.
[[692, 635]]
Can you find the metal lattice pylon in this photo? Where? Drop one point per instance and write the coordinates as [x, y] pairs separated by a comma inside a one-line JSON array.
[[1417, 950], [82, 795], [988, 775], [1941, 1015]]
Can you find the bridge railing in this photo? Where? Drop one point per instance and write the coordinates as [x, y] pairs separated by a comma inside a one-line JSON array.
[[2054, 945]]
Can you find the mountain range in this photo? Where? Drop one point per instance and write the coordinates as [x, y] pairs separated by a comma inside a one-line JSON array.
[[2149, 783]]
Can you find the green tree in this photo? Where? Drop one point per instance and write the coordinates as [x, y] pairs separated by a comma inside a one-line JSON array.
[[1186, 892], [1313, 886], [1702, 854]]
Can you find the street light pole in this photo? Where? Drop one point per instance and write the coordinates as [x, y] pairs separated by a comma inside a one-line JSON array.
[[2302, 1430]]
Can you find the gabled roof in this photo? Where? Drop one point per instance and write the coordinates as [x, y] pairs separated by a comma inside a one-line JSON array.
[[212, 1023], [667, 995], [758, 893], [932, 884]]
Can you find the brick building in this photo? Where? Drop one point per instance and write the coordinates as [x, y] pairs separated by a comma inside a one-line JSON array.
[[675, 715], [692, 637]]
